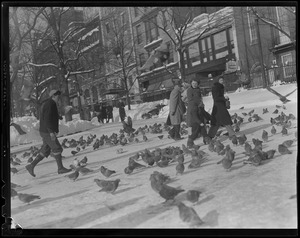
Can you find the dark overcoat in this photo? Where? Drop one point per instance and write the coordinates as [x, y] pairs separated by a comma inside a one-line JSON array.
[[220, 115], [122, 112], [194, 99], [176, 106], [49, 117]]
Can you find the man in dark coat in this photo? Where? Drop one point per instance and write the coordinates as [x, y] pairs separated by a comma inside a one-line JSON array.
[[122, 113], [109, 113], [195, 113], [176, 109], [103, 114], [49, 118], [220, 114]]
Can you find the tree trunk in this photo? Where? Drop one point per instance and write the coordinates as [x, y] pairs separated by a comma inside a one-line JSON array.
[[181, 65]]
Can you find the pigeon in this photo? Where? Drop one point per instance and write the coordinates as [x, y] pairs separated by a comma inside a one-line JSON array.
[[234, 140], [128, 170], [74, 152], [84, 170], [211, 147], [106, 172], [242, 139], [109, 186], [13, 185], [160, 137], [265, 136], [18, 160], [160, 177], [164, 162], [73, 176], [83, 161], [247, 148], [14, 170], [168, 192], [250, 119], [270, 154], [145, 138], [30, 159], [134, 164], [273, 130], [193, 195], [27, 198], [179, 158], [186, 150], [226, 163], [14, 163], [275, 112], [179, 168], [189, 215], [291, 117], [284, 131], [257, 143], [265, 110], [288, 143], [155, 183], [277, 106], [13, 193], [283, 150]]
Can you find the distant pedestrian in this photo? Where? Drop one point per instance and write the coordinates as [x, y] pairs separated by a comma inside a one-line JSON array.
[[220, 114], [103, 114], [109, 112], [49, 118], [176, 110], [122, 113]]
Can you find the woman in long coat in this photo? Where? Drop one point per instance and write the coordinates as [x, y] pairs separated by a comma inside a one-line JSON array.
[[194, 119], [220, 115], [177, 109], [122, 113]]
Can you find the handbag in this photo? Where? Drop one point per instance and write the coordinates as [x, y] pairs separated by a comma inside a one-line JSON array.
[[227, 103]]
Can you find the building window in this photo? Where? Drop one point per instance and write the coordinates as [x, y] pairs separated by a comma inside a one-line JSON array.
[[203, 50], [107, 27], [231, 42], [139, 34], [288, 68], [194, 54], [283, 21], [151, 29], [220, 44], [252, 27], [136, 11], [122, 19], [142, 59]]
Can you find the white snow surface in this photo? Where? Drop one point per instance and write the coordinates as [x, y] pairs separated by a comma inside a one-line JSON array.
[[247, 196]]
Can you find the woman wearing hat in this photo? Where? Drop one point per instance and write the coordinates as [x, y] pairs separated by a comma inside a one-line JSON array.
[[49, 118], [220, 114]]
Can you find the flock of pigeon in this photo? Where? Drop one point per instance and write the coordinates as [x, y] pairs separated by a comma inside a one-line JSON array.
[[163, 157]]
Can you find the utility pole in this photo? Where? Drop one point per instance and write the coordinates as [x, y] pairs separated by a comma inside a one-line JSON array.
[[265, 84]]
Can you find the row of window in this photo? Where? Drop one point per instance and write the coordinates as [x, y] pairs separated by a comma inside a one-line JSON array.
[[210, 48]]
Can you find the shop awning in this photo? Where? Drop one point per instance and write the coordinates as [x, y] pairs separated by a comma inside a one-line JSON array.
[[113, 91]]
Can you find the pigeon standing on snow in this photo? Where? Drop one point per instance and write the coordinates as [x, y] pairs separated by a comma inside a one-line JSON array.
[[284, 131], [288, 143], [193, 195], [179, 168], [270, 154], [283, 150], [168, 192], [73, 176], [106, 172], [107, 186], [273, 130], [27, 198], [265, 136], [189, 215]]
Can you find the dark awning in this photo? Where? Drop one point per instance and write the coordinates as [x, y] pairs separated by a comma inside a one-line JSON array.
[[114, 91]]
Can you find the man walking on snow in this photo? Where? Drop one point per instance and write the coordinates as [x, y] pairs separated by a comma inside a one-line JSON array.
[[49, 118]]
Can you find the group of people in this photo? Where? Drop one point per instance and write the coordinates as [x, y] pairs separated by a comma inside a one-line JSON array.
[[196, 116], [106, 112]]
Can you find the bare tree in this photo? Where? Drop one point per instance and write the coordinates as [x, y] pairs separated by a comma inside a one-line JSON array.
[[64, 52], [176, 23], [119, 54]]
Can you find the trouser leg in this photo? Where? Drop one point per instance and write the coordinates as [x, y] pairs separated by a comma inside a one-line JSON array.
[[213, 131], [30, 167]]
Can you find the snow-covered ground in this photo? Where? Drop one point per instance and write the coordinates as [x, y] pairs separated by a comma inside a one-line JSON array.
[[245, 197]]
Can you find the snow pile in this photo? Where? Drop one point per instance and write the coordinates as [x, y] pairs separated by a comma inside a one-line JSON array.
[[240, 89]]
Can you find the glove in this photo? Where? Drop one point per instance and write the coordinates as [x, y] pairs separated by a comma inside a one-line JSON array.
[[60, 117], [53, 136]]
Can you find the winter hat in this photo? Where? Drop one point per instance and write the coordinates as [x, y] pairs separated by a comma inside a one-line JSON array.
[[54, 92]]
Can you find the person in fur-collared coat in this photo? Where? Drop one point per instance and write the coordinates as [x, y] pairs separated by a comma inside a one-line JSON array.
[[176, 109], [196, 115], [220, 115]]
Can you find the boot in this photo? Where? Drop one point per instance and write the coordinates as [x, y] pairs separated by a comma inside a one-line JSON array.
[[172, 133], [230, 131], [61, 168], [190, 143], [30, 167], [177, 133]]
